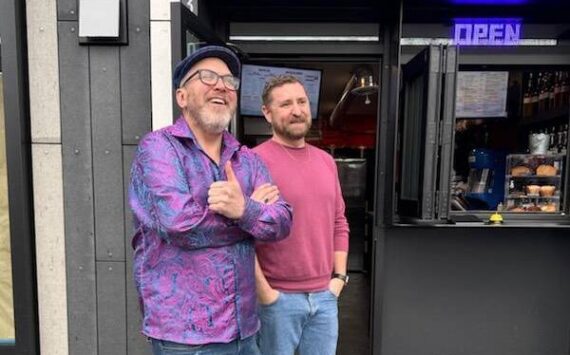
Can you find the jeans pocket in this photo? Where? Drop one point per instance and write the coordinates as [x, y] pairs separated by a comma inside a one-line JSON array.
[[332, 294], [265, 305]]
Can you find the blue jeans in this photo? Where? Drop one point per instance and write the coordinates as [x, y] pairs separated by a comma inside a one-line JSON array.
[[246, 346], [306, 322]]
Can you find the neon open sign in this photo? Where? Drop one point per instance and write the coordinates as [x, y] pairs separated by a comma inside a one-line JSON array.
[[487, 32]]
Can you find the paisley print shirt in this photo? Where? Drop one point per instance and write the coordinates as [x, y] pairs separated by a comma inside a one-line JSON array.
[[194, 268]]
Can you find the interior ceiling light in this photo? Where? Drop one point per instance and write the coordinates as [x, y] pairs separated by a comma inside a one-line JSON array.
[[490, 2], [528, 42], [365, 84], [361, 83], [307, 38]]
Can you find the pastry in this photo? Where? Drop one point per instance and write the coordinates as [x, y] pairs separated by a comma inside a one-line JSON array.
[[546, 170], [533, 208], [549, 207], [533, 190], [517, 209], [547, 190], [520, 170]]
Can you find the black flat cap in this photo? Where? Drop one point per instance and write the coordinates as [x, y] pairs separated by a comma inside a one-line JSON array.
[[223, 53]]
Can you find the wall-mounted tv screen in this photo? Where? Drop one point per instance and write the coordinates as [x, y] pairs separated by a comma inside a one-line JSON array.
[[253, 78]]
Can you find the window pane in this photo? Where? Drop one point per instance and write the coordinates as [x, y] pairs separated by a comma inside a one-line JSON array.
[[411, 148], [7, 333], [192, 43], [511, 143]]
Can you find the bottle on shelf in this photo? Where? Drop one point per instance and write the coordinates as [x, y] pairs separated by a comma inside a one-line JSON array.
[[528, 105], [564, 90], [530, 133], [550, 106], [560, 139], [552, 148], [557, 98], [563, 139], [535, 94], [543, 95]]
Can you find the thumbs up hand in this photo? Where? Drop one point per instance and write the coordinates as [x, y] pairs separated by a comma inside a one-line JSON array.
[[226, 197]]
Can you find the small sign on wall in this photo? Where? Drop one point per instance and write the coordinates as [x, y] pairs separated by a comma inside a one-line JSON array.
[[103, 22], [99, 18]]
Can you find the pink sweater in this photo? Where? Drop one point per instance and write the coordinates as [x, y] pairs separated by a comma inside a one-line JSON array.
[[307, 179]]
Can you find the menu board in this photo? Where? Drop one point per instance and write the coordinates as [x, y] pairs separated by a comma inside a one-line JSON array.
[[481, 94], [253, 78]]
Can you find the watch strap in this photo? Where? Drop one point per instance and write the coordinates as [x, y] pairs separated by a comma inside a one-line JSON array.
[[342, 277]]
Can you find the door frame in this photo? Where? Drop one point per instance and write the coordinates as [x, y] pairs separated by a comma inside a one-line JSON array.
[[182, 20], [384, 200], [18, 156]]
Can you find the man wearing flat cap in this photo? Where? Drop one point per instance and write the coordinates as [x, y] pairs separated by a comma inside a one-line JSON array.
[[196, 197]]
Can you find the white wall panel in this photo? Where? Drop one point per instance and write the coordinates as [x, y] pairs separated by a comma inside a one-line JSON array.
[[160, 10], [161, 77], [50, 248], [43, 70]]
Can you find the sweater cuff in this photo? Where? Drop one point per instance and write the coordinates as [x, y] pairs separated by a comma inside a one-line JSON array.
[[341, 244]]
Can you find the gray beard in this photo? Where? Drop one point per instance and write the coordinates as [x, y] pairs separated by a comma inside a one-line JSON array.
[[211, 123]]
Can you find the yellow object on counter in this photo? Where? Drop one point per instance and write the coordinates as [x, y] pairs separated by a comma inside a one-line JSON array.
[[496, 218]]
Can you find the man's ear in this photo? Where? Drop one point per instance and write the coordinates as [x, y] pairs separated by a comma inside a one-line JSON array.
[[266, 113], [181, 98]]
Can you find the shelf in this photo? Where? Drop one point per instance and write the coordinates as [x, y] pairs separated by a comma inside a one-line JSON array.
[[517, 187], [517, 197], [541, 156], [545, 116], [532, 177]]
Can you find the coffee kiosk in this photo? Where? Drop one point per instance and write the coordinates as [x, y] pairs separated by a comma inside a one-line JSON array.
[[470, 118]]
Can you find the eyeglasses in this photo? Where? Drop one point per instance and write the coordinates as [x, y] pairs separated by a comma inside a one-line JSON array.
[[211, 78]]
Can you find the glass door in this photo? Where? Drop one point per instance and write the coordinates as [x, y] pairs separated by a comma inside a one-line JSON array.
[[7, 330], [426, 133]]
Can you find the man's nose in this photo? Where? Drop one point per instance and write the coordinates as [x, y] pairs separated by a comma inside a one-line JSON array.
[[220, 84], [297, 110]]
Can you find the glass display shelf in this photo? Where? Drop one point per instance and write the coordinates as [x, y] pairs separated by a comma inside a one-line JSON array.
[[533, 183]]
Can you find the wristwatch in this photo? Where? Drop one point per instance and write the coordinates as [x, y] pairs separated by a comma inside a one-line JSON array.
[[342, 277]]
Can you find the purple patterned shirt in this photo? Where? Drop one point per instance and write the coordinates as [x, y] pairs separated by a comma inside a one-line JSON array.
[[194, 268]]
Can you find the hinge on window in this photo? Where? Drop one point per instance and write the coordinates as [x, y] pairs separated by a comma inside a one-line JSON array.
[[436, 203], [440, 139]]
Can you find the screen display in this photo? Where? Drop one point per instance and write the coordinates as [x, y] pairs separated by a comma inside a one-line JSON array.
[[253, 78]]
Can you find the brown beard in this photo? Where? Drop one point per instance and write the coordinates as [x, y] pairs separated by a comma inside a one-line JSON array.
[[286, 133]]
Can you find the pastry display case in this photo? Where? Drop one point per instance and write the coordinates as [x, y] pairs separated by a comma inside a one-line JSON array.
[[534, 183]]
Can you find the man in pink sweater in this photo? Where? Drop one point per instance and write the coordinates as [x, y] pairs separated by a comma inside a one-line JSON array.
[[299, 279]]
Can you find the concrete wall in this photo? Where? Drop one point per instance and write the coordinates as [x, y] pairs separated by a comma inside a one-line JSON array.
[[89, 104], [47, 174]]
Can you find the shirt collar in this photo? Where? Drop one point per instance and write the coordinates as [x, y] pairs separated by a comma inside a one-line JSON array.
[[181, 129]]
